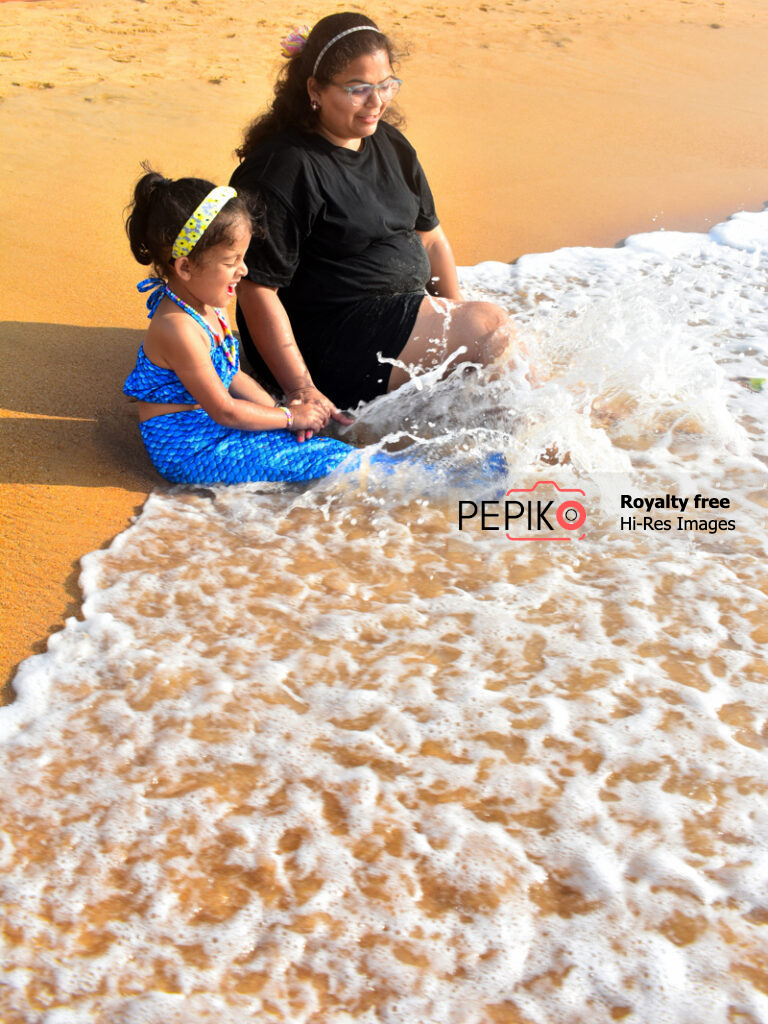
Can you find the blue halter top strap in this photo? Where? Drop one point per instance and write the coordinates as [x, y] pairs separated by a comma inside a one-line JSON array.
[[156, 287], [159, 290]]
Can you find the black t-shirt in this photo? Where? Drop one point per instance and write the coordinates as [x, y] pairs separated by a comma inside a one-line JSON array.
[[341, 223]]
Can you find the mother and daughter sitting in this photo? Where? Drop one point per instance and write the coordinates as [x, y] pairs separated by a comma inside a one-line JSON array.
[[352, 272]]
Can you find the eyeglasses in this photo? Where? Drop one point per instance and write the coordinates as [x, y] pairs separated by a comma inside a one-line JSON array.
[[360, 94]]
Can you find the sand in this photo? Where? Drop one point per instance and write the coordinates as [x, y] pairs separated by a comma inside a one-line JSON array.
[[540, 125]]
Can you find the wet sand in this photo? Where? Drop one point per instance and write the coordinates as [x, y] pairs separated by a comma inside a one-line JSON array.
[[539, 126]]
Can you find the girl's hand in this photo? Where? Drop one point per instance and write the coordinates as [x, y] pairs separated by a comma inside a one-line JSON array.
[[308, 417], [311, 394]]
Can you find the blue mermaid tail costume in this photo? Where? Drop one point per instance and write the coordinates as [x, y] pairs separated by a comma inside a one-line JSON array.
[[189, 447]]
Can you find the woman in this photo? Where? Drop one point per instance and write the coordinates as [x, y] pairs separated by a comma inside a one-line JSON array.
[[354, 242]]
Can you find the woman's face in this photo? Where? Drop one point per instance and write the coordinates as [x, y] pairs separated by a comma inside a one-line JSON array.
[[339, 119]]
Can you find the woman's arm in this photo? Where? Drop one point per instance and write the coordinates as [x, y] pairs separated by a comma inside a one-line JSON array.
[[270, 329], [445, 279], [243, 386]]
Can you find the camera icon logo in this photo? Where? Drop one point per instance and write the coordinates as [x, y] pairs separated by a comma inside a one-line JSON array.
[[570, 514]]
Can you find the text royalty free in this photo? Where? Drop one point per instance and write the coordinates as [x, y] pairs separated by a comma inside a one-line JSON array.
[[671, 501]]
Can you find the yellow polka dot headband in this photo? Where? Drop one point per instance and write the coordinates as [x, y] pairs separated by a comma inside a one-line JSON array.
[[203, 216]]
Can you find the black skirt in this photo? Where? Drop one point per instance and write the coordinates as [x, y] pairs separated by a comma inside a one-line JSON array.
[[342, 350]]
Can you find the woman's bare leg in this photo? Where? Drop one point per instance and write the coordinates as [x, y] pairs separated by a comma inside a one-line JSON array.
[[442, 327]]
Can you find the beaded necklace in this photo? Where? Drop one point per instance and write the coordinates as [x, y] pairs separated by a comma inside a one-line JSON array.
[[227, 343], [158, 289]]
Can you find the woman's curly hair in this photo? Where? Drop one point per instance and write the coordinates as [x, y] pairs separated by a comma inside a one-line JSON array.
[[290, 106]]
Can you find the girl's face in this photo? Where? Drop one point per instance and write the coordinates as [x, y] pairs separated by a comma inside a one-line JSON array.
[[213, 280], [340, 119]]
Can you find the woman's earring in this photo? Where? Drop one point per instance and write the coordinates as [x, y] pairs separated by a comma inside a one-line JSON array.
[[315, 105]]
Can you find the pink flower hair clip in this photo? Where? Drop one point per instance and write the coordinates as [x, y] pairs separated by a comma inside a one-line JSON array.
[[295, 41]]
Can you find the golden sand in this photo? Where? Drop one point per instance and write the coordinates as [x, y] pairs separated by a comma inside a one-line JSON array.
[[540, 125]]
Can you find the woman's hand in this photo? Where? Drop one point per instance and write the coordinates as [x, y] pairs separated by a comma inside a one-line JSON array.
[[307, 418], [310, 395]]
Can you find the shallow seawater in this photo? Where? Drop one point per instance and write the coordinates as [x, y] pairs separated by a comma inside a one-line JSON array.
[[319, 755]]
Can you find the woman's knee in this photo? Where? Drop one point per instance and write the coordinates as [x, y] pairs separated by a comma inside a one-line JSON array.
[[486, 316], [486, 329]]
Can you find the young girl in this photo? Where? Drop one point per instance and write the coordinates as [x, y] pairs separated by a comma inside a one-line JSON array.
[[203, 420]]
